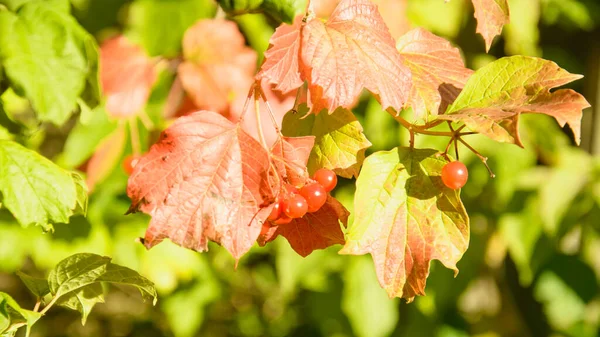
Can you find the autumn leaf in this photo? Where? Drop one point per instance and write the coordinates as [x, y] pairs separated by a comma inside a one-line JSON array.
[[291, 155], [127, 75], [438, 71], [106, 157], [352, 51], [340, 143], [205, 179], [317, 230], [491, 15], [218, 66], [405, 217], [496, 94]]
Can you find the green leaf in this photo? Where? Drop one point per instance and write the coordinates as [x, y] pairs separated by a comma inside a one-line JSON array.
[[405, 217], [83, 299], [75, 272], [370, 311], [123, 275], [340, 143], [38, 286], [498, 93], [34, 189], [60, 5], [282, 10], [48, 58], [12, 316], [158, 25]]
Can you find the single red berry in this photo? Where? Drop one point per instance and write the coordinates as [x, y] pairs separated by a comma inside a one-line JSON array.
[[327, 179], [455, 175], [295, 207], [129, 163], [275, 211], [315, 196], [283, 219]]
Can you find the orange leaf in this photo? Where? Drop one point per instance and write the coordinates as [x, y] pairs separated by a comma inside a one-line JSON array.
[[491, 15], [127, 75]]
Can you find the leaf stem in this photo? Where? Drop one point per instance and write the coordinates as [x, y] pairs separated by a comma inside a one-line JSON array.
[[259, 127], [49, 305], [247, 103], [482, 158], [38, 302], [271, 114]]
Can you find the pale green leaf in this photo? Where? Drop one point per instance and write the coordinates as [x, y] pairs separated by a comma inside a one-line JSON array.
[[75, 272], [59, 5], [125, 276], [83, 299], [282, 10], [38, 286], [34, 189], [159, 25], [405, 217], [340, 143], [48, 58], [370, 311], [12, 316]]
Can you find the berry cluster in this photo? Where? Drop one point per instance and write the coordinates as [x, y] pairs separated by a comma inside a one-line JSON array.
[[293, 203]]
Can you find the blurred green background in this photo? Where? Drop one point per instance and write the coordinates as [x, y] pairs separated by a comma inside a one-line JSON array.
[[532, 268]]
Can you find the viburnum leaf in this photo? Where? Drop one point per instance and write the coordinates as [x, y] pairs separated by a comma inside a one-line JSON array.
[[205, 179], [405, 217], [12, 316], [317, 230], [38, 286], [35, 190], [83, 299], [340, 143], [438, 71], [352, 51], [283, 10], [496, 94], [292, 154], [127, 75], [106, 157], [218, 66], [491, 15]]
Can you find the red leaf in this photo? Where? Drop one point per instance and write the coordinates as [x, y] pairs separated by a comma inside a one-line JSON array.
[[491, 15], [281, 65], [352, 51], [317, 230], [438, 71], [206, 179], [126, 75], [293, 153], [105, 158], [218, 66]]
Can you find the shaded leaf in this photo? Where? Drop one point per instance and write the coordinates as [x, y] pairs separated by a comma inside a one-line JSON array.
[[218, 66], [38, 286], [122, 275], [83, 299], [282, 10], [340, 143], [107, 156], [206, 179], [292, 154], [159, 25], [491, 15], [317, 230], [438, 71], [353, 50], [40, 41], [12, 316], [405, 217], [127, 75], [34, 189], [76, 272], [496, 94]]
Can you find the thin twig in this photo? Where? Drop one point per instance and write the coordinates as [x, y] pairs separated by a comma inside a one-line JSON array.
[[247, 103], [38, 302], [482, 158], [271, 114]]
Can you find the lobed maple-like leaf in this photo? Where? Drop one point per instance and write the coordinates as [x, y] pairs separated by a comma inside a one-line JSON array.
[[438, 71], [127, 75], [218, 66], [352, 51], [205, 179], [405, 217], [317, 230], [496, 94], [340, 143], [491, 16], [292, 154]]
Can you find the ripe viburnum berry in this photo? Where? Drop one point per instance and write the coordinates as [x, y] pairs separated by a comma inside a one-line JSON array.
[[327, 179], [315, 196], [295, 207], [455, 175], [275, 211]]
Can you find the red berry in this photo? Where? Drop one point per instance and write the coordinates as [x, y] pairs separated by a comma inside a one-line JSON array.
[[295, 206], [326, 178], [291, 189], [315, 196], [129, 163], [275, 211], [455, 175], [284, 219]]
